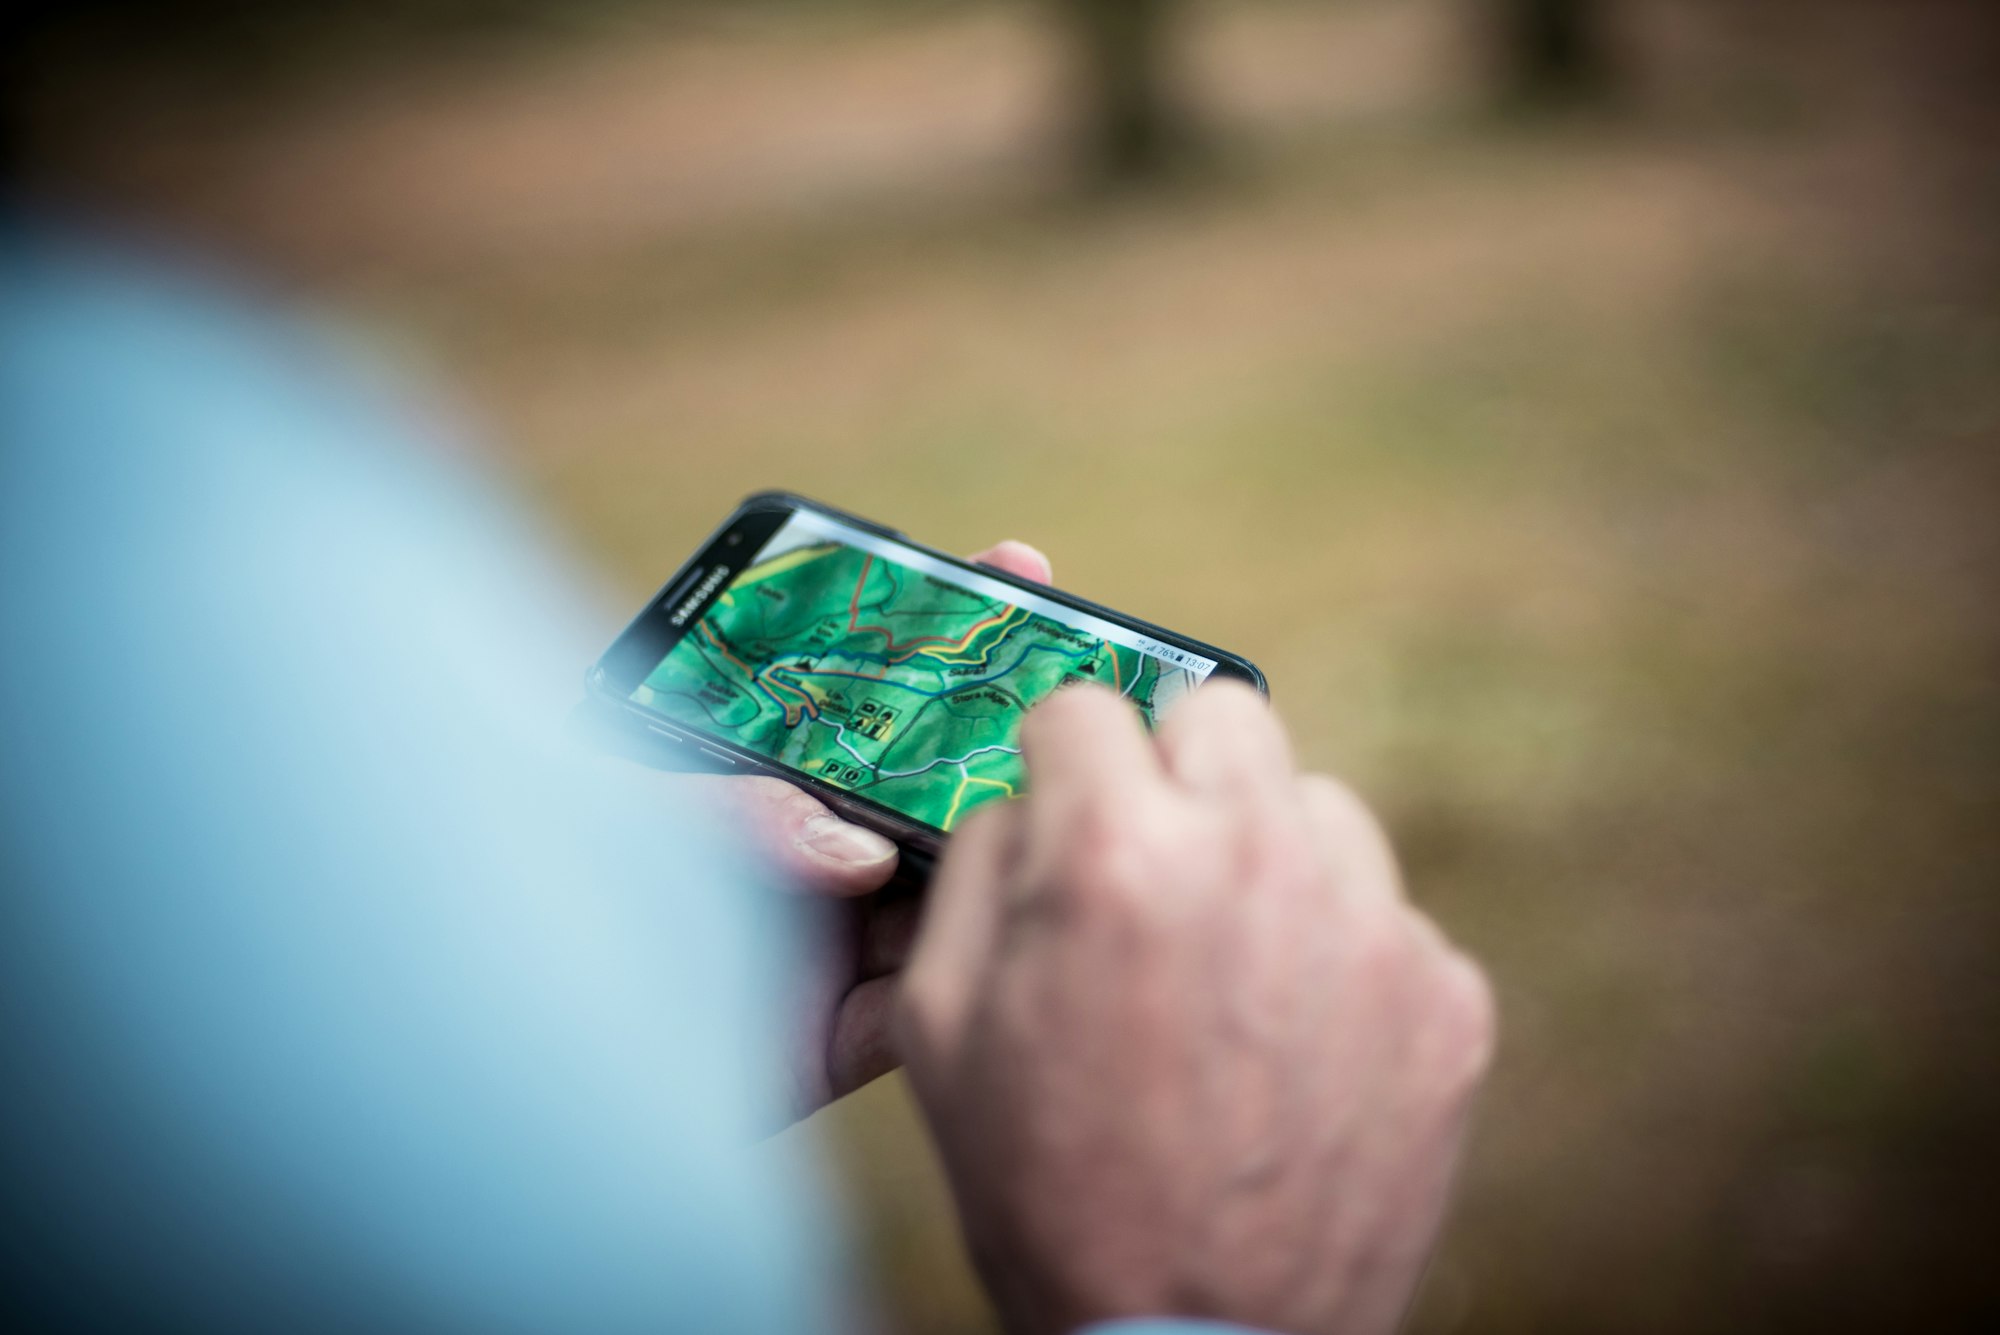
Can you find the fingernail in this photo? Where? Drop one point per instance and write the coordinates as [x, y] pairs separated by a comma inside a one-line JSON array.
[[832, 837]]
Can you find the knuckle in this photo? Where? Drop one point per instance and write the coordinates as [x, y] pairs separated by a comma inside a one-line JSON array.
[[1117, 857], [1110, 863], [1345, 814], [1359, 854], [1336, 801], [1468, 1017], [1271, 856], [1379, 944], [1283, 851]]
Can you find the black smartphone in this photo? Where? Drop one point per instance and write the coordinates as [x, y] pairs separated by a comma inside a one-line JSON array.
[[887, 678]]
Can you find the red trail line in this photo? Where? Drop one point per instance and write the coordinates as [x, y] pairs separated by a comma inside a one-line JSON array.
[[892, 646], [755, 676]]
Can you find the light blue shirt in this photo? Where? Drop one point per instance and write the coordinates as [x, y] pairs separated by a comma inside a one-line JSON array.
[[337, 989]]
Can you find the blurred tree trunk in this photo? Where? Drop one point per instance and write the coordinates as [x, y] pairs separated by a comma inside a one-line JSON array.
[[1552, 51], [1130, 126]]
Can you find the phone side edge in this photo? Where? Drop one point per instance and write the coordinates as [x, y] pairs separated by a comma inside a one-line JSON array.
[[1244, 669]]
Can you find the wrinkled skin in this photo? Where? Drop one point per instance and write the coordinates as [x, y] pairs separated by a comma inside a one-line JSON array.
[[1184, 1046]]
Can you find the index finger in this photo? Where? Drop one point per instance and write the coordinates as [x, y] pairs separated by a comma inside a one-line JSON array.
[[1083, 745], [1224, 743]]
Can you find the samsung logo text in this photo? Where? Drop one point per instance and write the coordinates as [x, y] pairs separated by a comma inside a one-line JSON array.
[[692, 603]]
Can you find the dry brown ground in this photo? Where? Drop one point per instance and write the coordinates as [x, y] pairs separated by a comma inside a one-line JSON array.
[[1612, 501]]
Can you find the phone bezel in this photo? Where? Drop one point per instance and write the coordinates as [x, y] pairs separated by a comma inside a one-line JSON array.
[[654, 632]]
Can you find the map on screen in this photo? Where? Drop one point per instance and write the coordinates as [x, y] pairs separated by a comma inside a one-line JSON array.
[[902, 679]]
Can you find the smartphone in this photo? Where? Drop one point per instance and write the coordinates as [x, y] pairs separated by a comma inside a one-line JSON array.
[[885, 677]]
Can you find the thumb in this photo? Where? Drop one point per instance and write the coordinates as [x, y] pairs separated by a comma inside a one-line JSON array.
[[811, 848]]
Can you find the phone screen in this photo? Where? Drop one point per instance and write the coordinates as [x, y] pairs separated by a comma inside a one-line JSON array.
[[880, 669]]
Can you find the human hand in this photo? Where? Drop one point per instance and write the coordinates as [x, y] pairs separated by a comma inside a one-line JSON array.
[[1184, 1047], [856, 934]]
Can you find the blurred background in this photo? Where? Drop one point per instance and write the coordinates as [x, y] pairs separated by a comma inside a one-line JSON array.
[[1585, 410]]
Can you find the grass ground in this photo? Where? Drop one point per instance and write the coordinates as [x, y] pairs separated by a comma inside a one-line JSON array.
[[1613, 503]]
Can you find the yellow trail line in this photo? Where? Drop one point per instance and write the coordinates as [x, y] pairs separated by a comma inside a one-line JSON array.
[[965, 778], [778, 565], [958, 657]]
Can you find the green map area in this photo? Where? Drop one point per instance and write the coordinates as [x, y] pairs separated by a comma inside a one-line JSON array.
[[883, 680]]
